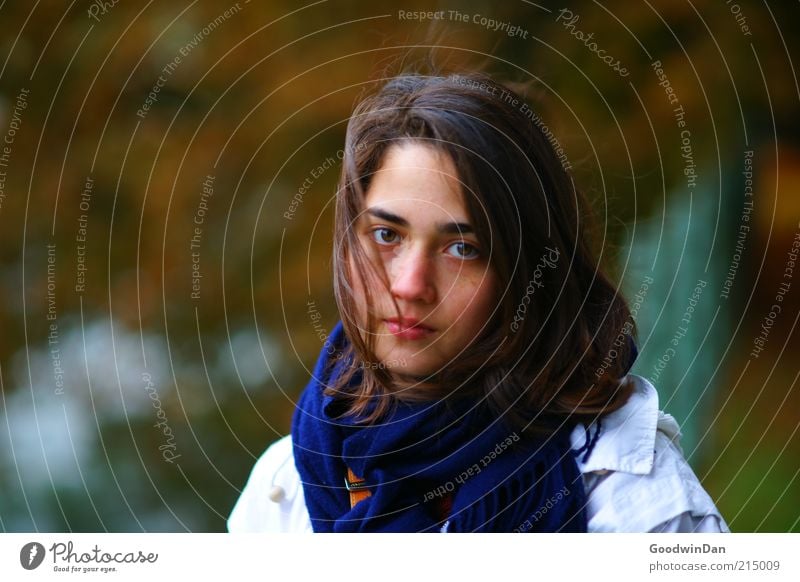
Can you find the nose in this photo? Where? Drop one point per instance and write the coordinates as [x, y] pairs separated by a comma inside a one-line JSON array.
[[413, 276]]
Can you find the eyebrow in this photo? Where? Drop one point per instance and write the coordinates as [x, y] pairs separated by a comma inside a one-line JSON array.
[[444, 228]]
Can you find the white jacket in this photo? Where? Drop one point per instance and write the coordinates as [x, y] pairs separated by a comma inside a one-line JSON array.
[[636, 479]]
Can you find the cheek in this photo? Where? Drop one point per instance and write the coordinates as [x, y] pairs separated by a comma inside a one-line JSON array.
[[359, 294], [478, 299], [372, 269], [373, 283]]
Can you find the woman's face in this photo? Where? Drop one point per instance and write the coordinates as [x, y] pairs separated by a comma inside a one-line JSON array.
[[416, 228]]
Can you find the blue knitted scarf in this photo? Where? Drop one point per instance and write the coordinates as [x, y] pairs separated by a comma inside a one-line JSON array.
[[422, 453]]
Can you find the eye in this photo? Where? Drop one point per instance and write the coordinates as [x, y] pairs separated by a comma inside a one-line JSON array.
[[463, 250], [384, 236]]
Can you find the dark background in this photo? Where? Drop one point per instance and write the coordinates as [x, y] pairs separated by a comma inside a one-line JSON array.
[[259, 100]]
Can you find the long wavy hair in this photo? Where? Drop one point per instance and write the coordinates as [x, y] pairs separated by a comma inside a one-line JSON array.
[[550, 353]]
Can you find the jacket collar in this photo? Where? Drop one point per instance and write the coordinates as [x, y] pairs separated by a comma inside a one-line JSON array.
[[627, 435]]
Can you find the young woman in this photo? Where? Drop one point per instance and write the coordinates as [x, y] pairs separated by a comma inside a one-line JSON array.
[[478, 380]]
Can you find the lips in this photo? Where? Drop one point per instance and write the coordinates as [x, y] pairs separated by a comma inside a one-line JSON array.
[[408, 328]]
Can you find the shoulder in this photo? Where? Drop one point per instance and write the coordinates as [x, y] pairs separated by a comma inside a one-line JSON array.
[[636, 477], [272, 500]]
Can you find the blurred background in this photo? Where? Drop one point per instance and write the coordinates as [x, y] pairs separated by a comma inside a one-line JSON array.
[[166, 180]]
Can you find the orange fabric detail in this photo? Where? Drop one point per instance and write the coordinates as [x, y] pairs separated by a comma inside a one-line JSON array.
[[356, 495]]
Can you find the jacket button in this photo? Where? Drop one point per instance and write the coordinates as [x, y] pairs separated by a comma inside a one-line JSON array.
[[276, 494]]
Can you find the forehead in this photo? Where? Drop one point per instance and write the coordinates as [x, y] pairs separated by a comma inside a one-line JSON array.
[[420, 179]]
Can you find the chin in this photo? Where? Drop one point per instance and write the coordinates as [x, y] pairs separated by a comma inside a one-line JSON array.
[[418, 368]]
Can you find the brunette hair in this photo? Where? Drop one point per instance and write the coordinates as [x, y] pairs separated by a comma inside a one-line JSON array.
[[551, 352]]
